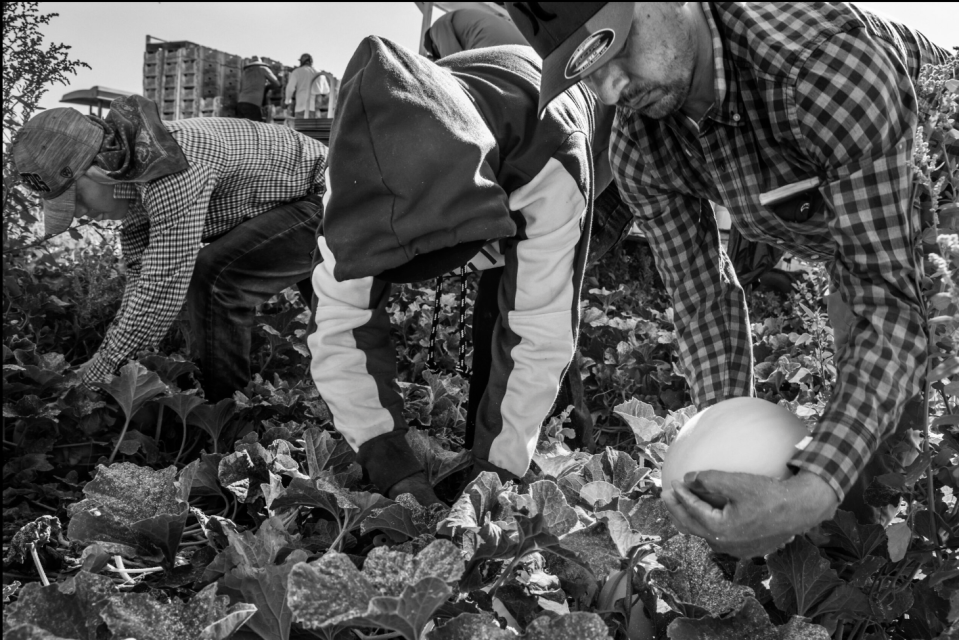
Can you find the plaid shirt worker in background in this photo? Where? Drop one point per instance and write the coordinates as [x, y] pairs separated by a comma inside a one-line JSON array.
[[228, 222], [770, 110]]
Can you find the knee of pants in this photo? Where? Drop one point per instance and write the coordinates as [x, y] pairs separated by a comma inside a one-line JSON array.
[[209, 281]]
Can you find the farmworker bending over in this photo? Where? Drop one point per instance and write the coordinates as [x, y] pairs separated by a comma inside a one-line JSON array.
[[468, 29], [800, 119], [436, 166], [219, 212]]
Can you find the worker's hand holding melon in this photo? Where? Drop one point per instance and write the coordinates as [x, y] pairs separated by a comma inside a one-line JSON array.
[[725, 478]]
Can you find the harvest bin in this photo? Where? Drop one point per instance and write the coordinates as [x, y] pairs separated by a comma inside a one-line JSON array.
[[188, 80]]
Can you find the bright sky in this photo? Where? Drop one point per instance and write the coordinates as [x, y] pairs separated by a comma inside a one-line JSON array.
[[110, 36]]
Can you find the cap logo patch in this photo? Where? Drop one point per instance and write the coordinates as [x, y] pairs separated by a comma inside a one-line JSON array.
[[66, 172], [588, 52], [34, 181]]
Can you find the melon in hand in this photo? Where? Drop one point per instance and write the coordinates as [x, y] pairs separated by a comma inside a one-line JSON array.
[[739, 435]]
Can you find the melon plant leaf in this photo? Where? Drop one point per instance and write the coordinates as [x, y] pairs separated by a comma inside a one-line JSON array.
[[853, 541], [578, 625], [319, 446], [133, 492], [266, 587], [206, 616], [748, 621], [898, 537], [40, 532], [479, 499], [436, 461], [641, 418], [598, 494], [690, 582], [624, 536], [214, 418], [133, 387], [557, 466], [545, 498], [471, 625], [315, 494], [169, 368], [164, 531], [395, 590], [395, 520], [130, 505], [616, 468], [801, 577], [248, 570], [183, 404], [243, 471], [69, 610]]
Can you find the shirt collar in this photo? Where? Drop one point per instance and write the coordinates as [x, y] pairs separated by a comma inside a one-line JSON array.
[[728, 108]]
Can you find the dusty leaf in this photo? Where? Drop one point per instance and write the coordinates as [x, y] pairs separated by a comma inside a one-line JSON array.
[[579, 625], [750, 620], [395, 591], [133, 493], [545, 498], [40, 532], [470, 626], [206, 615], [131, 505], [690, 580], [69, 610]]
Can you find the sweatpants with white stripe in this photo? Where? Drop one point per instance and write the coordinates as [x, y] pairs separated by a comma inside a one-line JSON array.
[[354, 361]]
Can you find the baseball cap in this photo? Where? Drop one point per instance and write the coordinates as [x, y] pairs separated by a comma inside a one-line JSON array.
[[306, 57], [52, 150], [573, 38]]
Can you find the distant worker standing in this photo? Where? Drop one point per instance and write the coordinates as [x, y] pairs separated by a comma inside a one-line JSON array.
[[256, 77], [304, 84], [468, 29]]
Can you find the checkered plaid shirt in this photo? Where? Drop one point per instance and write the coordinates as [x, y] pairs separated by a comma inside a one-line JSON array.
[[803, 90], [238, 170]]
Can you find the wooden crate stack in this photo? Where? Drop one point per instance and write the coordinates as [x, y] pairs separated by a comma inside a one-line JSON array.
[[187, 80]]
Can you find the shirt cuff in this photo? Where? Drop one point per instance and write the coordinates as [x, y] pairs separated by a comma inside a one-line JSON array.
[[100, 370], [836, 459]]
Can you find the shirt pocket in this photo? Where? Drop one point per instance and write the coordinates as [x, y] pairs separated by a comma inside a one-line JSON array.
[[798, 207]]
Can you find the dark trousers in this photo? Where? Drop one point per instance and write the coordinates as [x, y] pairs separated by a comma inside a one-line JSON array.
[[249, 111], [244, 267]]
